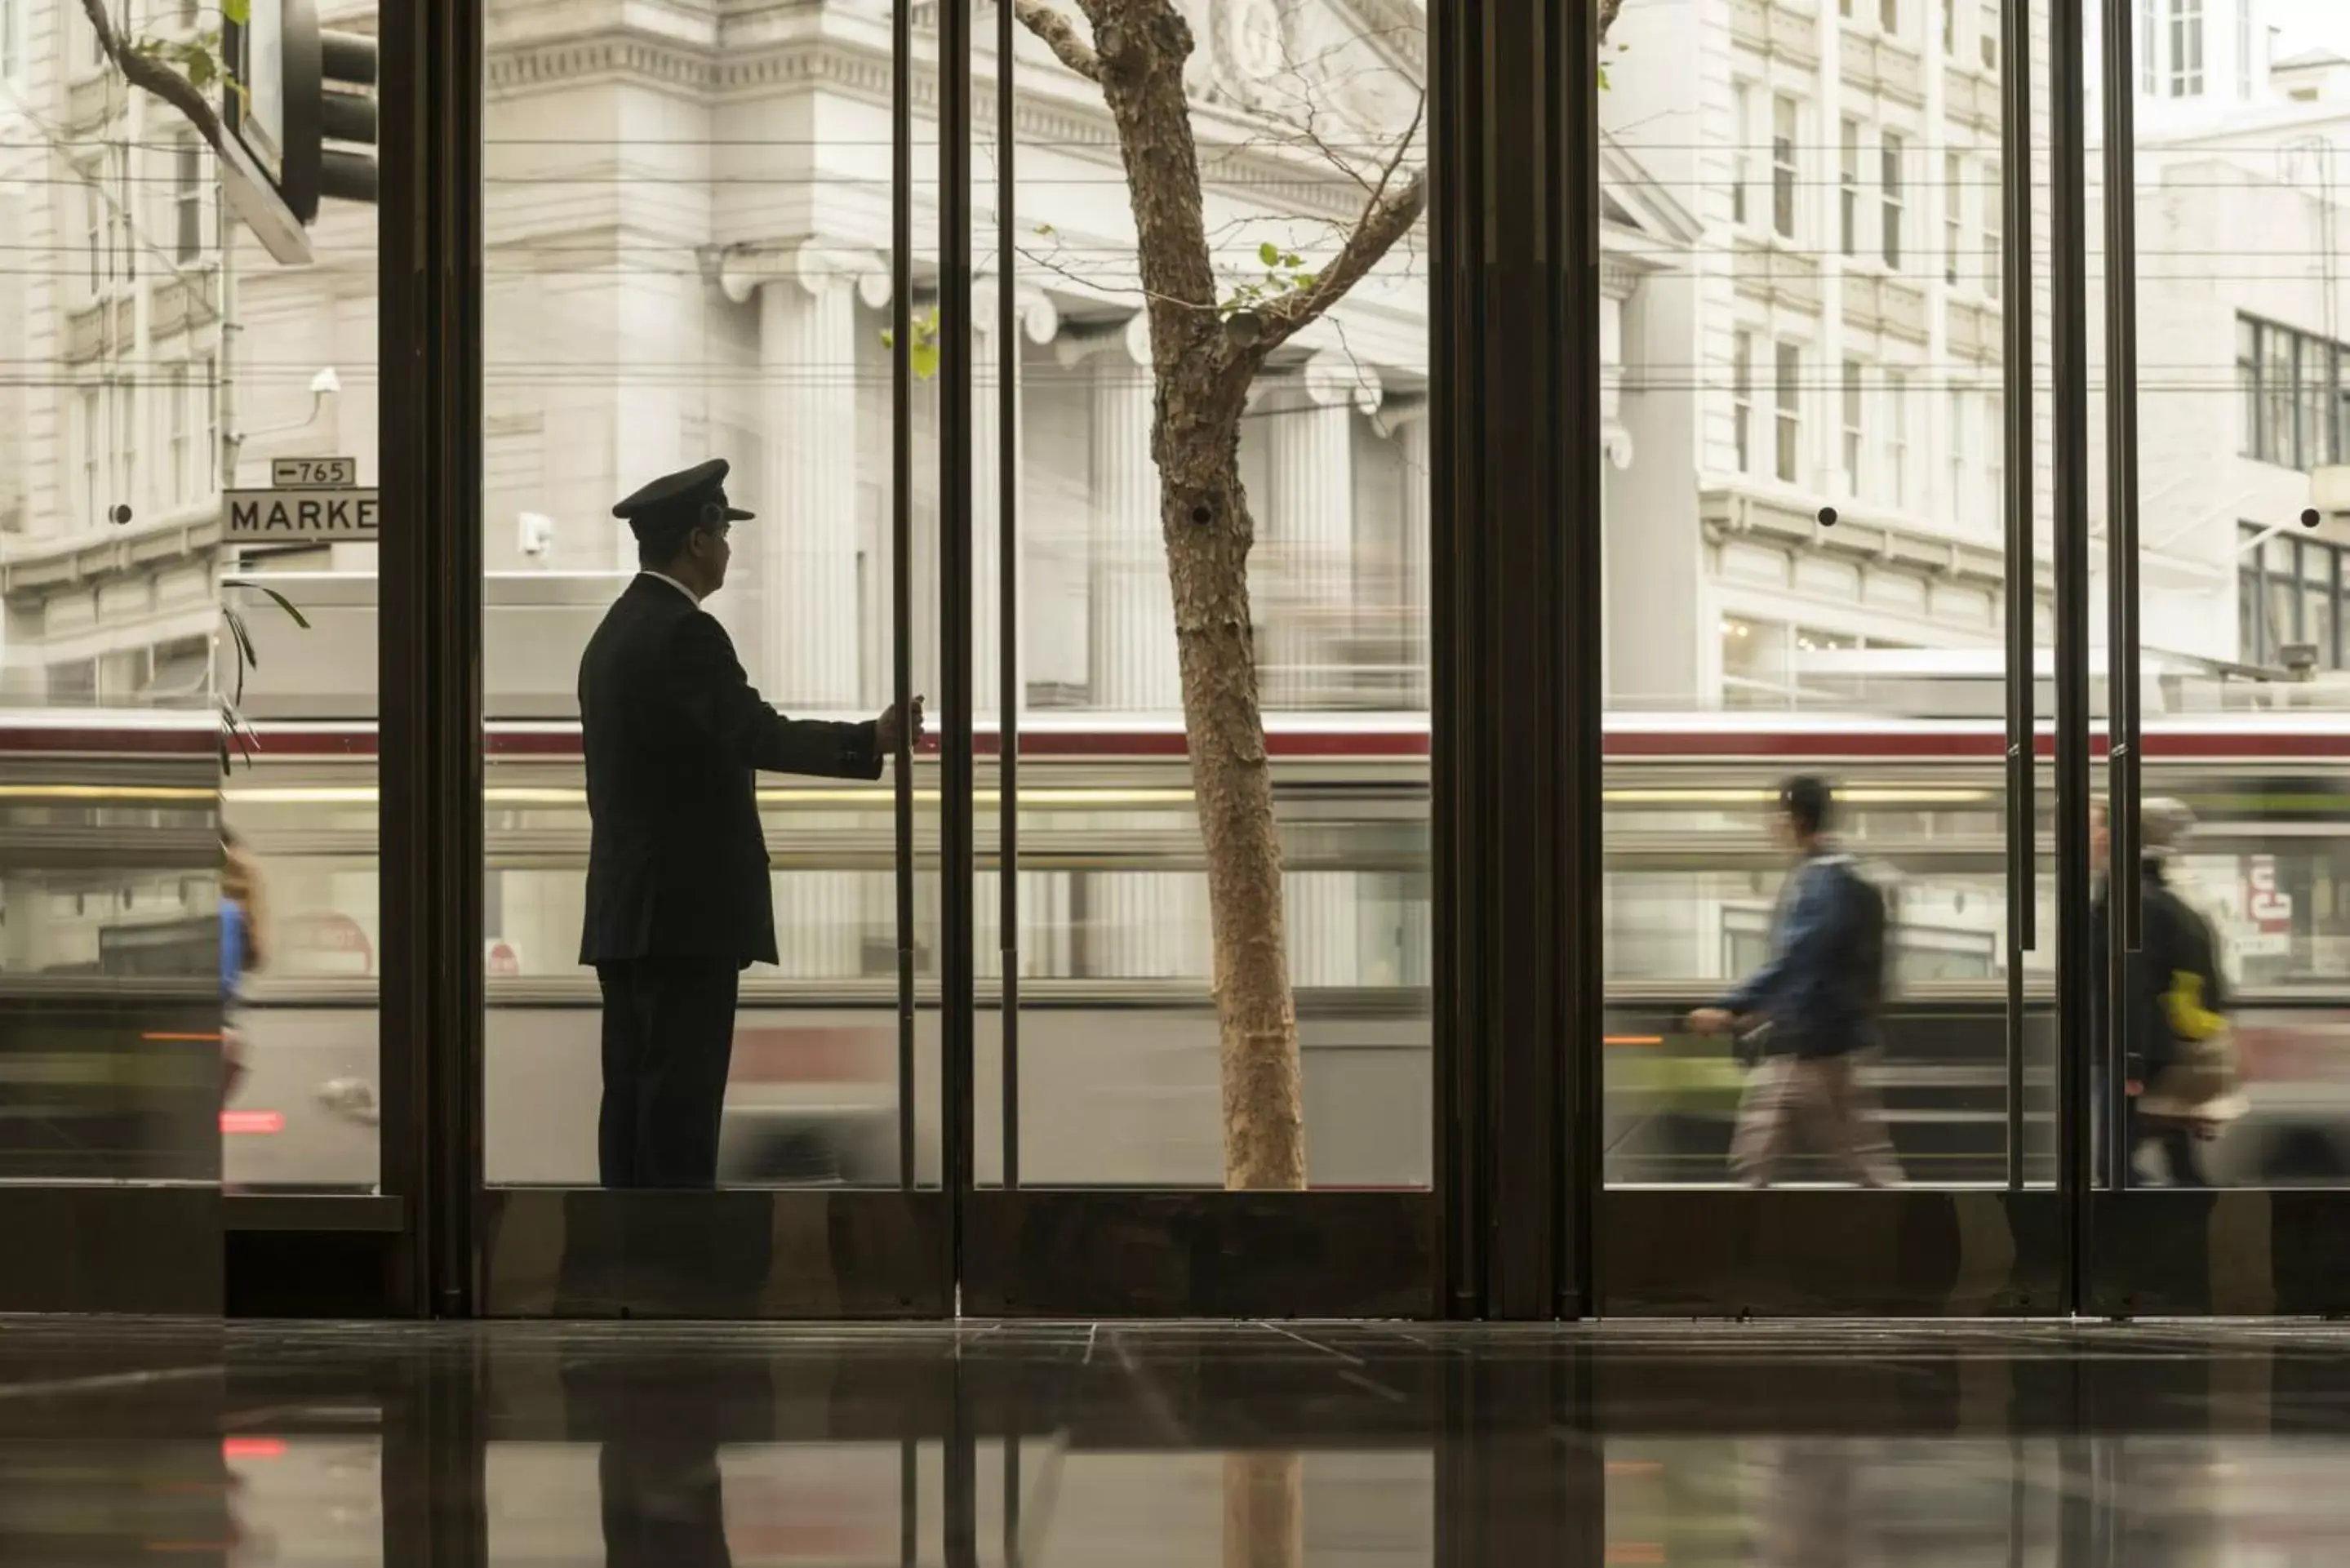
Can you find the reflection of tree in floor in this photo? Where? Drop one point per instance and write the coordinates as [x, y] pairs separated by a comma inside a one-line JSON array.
[[1265, 1510]]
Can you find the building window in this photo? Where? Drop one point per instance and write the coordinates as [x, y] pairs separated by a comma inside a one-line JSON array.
[[188, 200], [181, 415], [1891, 190], [1958, 468], [1791, 415], [2186, 48], [125, 232], [2288, 591], [1782, 167], [126, 445], [1949, 26], [2243, 50], [2247, 594], [1742, 398], [2276, 381], [1994, 245], [1995, 456], [1848, 181], [90, 441], [1954, 218], [2317, 361], [1852, 425], [1987, 35], [1843, 8], [1889, 16], [2149, 38], [1897, 447], [94, 226], [1755, 672], [12, 39], [207, 392], [1741, 139], [2248, 386]]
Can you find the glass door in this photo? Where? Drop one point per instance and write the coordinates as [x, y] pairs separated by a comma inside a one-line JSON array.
[[1833, 349], [723, 1098], [2219, 1149], [113, 904], [1188, 586]]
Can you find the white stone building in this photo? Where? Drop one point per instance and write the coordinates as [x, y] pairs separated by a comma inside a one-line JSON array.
[[2244, 348], [689, 218], [1838, 343]]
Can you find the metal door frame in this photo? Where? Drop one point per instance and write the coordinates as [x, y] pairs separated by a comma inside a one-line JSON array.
[[1024, 1250], [439, 1243], [144, 1239], [1918, 1252]]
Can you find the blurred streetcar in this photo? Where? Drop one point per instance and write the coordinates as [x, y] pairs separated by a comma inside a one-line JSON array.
[[1118, 1036]]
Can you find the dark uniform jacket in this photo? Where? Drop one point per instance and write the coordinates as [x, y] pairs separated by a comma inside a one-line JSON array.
[[674, 733]]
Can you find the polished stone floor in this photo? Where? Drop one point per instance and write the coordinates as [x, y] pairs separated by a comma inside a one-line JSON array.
[[1175, 1447]]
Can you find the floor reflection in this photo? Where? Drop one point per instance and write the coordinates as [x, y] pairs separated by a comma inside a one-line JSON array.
[[1245, 1447]]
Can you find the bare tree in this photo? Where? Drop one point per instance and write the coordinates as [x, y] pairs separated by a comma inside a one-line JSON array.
[[1206, 351]]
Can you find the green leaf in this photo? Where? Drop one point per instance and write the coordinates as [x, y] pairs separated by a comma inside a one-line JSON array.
[[286, 605], [239, 12], [1269, 254], [1045, 229], [925, 360], [201, 72], [247, 658], [1293, 261]]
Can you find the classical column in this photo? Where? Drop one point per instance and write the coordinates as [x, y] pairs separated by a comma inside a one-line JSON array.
[[1132, 661], [1138, 925], [1037, 320], [804, 544], [1311, 443], [1406, 424], [804, 654]]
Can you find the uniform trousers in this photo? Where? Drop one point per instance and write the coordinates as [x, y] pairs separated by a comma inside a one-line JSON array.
[[669, 1038]]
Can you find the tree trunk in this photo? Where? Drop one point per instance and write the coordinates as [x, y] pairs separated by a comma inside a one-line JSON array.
[[1265, 1510], [1205, 516]]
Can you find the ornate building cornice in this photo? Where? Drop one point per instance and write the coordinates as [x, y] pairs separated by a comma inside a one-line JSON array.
[[1296, 185]]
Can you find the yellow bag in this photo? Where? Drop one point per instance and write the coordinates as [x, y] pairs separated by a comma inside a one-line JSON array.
[[2201, 1086]]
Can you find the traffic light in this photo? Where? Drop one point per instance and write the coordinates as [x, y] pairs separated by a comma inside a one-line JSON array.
[[330, 113]]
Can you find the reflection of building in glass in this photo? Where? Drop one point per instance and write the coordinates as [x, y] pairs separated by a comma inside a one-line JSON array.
[[1838, 344], [2244, 388]]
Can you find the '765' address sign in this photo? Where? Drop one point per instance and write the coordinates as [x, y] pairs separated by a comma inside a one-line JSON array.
[[311, 501]]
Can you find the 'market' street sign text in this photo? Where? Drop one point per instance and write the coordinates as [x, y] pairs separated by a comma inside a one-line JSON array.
[[297, 516], [311, 502]]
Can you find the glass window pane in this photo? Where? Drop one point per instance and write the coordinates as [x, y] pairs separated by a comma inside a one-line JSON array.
[[1784, 173], [1881, 378], [1116, 906]]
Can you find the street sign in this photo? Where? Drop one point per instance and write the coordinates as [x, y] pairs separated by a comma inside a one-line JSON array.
[[312, 514], [298, 473]]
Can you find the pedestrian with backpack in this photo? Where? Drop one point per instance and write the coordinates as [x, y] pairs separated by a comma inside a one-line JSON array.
[[1811, 1010]]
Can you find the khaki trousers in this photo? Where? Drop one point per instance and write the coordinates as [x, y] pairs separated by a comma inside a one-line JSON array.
[[1826, 1103]]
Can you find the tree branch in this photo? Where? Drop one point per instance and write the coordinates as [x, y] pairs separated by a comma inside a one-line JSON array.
[[1060, 35], [151, 75], [1388, 216]]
